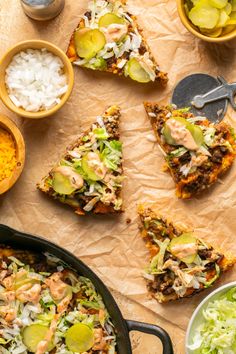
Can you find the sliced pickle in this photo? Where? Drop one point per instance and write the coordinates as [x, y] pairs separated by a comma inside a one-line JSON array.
[[233, 5], [228, 8], [232, 19], [195, 130], [216, 33], [227, 29], [136, 72], [203, 15], [33, 335], [197, 133], [88, 170], [223, 19], [219, 4], [110, 18], [167, 131], [88, 42], [211, 33], [61, 184], [185, 239], [79, 338]]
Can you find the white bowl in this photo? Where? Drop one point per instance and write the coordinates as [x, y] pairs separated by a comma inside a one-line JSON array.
[[197, 317]]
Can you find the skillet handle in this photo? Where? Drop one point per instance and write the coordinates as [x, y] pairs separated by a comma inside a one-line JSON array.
[[155, 330]]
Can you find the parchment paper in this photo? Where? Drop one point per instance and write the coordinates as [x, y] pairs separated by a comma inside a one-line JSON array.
[[110, 246]]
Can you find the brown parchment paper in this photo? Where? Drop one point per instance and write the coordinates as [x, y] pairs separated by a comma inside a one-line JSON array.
[[110, 246]]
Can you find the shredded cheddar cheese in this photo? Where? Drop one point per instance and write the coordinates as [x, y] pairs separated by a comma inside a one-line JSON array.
[[7, 154]]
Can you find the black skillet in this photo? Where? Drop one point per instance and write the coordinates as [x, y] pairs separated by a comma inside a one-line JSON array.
[[24, 241]]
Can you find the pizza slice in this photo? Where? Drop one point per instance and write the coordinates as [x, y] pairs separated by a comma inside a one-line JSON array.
[[108, 39], [181, 264], [89, 176], [197, 151]]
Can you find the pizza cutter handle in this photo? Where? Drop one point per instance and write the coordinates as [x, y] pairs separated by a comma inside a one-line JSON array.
[[225, 90]]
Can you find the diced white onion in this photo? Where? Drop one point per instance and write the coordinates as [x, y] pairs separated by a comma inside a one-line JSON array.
[[35, 80], [121, 64]]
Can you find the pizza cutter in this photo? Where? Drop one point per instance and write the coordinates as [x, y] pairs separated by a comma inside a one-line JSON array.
[[205, 95]]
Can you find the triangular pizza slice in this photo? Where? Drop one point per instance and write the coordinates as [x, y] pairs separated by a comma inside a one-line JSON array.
[[181, 264], [197, 151], [89, 175], [108, 39]]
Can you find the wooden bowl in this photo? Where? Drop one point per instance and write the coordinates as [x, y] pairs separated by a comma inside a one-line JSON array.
[[8, 125], [34, 44], [194, 30]]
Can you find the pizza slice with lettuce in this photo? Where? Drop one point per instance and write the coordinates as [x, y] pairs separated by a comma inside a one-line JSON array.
[[181, 264], [197, 152], [109, 39], [89, 176]]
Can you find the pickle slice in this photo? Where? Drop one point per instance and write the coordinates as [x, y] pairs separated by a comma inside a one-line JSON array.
[[219, 4], [223, 19], [79, 338], [203, 15], [233, 5], [88, 42], [167, 131], [88, 170], [135, 71], [227, 29], [195, 130], [110, 18], [61, 184], [212, 33], [183, 240], [232, 19], [34, 334], [197, 133], [228, 8]]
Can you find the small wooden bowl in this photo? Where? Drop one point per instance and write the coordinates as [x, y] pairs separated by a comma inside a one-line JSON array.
[[8, 125], [34, 44], [194, 30]]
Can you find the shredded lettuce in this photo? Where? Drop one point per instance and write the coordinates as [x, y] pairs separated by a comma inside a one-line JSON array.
[[217, 333], [111, 154], [207, 284], [98, 64], [157, 261], [178, 152]]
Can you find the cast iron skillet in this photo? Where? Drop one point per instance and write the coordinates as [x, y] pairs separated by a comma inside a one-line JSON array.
[[24, 241]]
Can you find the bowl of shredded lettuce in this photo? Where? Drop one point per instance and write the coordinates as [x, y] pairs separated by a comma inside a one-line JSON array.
[[212, 328]]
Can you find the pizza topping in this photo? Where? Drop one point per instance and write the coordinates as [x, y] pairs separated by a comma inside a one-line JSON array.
[[110, 19], [80, 338], [93, 166], [135, 70], [67, 315], [58, 289], [180, 134], [88, 42], [114, 32], [34, 339], [66, 180], [184, 247]]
